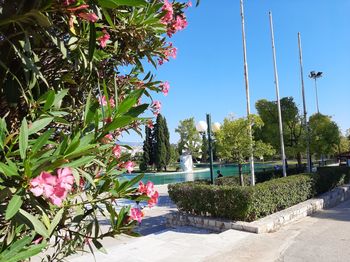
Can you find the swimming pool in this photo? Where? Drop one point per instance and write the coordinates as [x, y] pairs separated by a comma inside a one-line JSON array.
[[170, 178]]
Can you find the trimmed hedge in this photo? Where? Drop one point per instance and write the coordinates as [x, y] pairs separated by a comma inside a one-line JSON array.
[[260, 177], [247, 203], [331, 177], [242, 203]]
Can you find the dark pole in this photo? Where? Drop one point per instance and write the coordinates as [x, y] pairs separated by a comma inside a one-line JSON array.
[[210, 149], [318, 109]]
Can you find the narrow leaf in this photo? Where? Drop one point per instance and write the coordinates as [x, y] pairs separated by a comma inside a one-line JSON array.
[[23, 138], [13, 206]]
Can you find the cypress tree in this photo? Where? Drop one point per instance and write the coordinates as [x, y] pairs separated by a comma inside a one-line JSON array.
[[147, 157], [159, 144], [167, 143]]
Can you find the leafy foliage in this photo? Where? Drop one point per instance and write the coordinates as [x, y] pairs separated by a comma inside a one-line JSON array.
[[64, 104], [190, 139]]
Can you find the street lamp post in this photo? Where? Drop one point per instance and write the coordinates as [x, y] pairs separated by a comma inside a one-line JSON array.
[[306, 126], [314, 75], [203, 127]]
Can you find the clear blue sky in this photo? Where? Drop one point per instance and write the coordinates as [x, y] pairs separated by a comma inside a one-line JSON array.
[[207, 75]]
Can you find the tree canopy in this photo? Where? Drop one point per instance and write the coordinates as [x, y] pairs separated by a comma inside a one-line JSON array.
[[190, 140]]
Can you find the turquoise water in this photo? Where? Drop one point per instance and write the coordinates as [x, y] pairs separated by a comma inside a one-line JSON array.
[[226, 170]]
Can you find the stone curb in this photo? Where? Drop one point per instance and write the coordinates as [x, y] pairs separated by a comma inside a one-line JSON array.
[[266, 224]]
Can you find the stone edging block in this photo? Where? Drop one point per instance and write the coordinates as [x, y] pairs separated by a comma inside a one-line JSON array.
[[266, 224]]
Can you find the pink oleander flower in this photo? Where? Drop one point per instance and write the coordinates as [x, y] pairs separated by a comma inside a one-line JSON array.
[[69, 2], [189, 4], [136, 214], [107, 139], [169, 12], [148, 189], [103, 39], [59, 194], [65, 178], [55, 188], [180, 23], [129, 165], [43, 184], [150, 124], [154, 199], [170, 52], [91, 17], [165, 88], [80, 7], [156, 106], [112, 102], [102, 101], [117, 151]]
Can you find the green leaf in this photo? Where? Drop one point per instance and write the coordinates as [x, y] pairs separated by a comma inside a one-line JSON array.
[[119, 122], [130, 101], [39, 124], [38, 225], [92, 41], [31, 251], [15, 247], [13, 206], [23, 138], [42, 140], [8, 170], [49, 100], [137, 110], [56, 220], [117, 3], [59, 97], [79, 162]]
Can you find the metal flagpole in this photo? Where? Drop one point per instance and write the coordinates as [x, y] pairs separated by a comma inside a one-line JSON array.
[[283, 156], [306, 126], [247, 96]]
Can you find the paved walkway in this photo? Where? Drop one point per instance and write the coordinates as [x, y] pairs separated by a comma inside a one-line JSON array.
[[322, 237]]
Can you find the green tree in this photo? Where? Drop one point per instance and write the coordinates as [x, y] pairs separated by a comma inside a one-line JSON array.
[[190, 139], [293, 132], [344, 144], [148, 151], [160, 144], [233, 142], [324, 135], [167, 143]]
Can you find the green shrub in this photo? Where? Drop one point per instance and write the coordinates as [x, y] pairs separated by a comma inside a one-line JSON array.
[[242, 203], [330, 177], [260, 177]]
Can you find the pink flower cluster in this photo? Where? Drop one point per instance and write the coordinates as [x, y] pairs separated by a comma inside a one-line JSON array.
[[128, 165], [88, 16], [156, 106], [170, 51], [103, 101], [117, 151], [174, 23], [136, 214], [165, 88], [54, 188], [148, 189], [103, 40]]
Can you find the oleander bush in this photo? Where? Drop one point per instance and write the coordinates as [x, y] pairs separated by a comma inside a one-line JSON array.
[[72, 82]]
